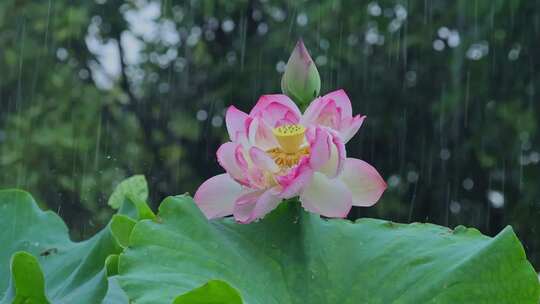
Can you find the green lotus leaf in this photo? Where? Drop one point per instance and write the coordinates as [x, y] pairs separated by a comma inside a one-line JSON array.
[[115, 294], [52, 267], [111, 264], [134, 190], [121, 226], [74, 272], [295, 257], [213, 292], [28, 281]]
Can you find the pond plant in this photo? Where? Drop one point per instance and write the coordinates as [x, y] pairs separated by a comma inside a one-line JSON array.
[[288, 185]]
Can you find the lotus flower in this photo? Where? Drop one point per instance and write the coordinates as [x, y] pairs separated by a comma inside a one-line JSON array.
[[276, 153]]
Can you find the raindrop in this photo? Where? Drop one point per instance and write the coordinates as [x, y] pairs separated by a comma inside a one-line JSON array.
[[478, 50], [171, 54], [202, 115], [496, 198], [468, 184], [196, 30], [438, 45], [302, 19], [84, 74], [444, 154], [454, 39], [412, 176], [394, 181], [410, 78], [374, 9], [443, 32], [321, 60], [474, 54], [372, 36], [62, 54], [170, 35], [455, 207], [278, 14], [514, 53], [192, 40], [262, 28], [394, 26], [227, 25], [217, 121], [324, 44], [400, 11], [280, 66]]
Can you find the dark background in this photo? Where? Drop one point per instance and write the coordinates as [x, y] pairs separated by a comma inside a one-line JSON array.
[[449, 88]]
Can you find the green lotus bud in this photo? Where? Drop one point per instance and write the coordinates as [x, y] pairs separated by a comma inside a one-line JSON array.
[[301, 80]]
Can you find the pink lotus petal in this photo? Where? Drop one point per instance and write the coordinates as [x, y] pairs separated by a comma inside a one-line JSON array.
[[350, 127], [255, 205], [342, 101], [227, 158], [235, 121], [338, 154], [364, 182], [257, 178], [326, 196], [327, 151], [262, 160], [333, 110], [260, 135], [267, 202], [330, 115], [275, 108], [217, 195], [242, 212], [240, 158], [326, 111], [312, 112], [297, 178], [290, 119], [249, 196], [320, 146], [323, 112]]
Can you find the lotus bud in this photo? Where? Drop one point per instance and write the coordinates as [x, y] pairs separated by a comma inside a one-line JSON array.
[[301, 80]]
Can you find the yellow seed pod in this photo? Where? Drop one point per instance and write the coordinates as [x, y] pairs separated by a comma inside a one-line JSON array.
[[290, 137]]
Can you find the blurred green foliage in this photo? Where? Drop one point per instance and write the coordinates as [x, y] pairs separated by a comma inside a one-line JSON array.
[[449, 88]]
